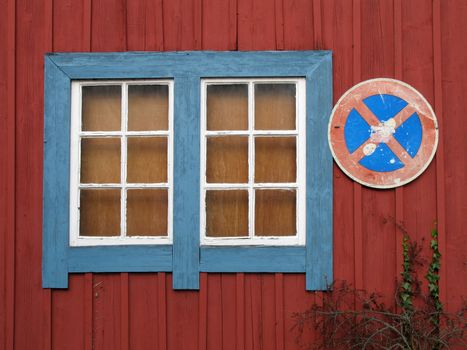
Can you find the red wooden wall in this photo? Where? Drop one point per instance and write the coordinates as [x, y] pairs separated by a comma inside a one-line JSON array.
[[422, 42]]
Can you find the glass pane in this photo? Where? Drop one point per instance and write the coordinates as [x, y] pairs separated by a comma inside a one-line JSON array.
[[148, 107], [100, 160], [275, 212], [147, 212], [227, 159], [275, 159], [101, 108], [99, 213], [147, 159], [227, 213], [275, 106], [227, 107]]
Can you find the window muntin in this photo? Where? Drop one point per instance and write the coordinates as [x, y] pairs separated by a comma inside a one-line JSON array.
[[185, 258], [253, 171], [121, 176]]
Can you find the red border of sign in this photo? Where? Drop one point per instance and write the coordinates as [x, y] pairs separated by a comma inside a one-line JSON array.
[[349, 162]]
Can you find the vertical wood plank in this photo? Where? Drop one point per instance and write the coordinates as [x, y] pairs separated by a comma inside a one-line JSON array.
[[398, 74], [108, 25], [279, 16], [144, 25], [203, 311], [253, 312], [298, 25], [357, 188], [317, 26], [68, 317], [338, 35], [378, 207], [125, 313], [440, 161], [68, 22], [87, 25], [182, 318], [143, 311], [88, 298], [219, 23], [214, 312], [450, 56], [106, 311], [162, 307], [279, 306], [296, 300], [30, 300], [240, 303], [268, 312], [419, 200], [256, 25], [7, 173], [229, 307], [181, 21]]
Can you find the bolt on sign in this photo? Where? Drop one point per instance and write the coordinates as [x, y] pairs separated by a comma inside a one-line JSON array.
[[383, 133]]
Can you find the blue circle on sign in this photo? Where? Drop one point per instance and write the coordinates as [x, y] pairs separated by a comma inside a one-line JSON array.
[[409, 134]]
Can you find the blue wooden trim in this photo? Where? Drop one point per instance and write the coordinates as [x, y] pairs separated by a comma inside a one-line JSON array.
[[184, 257], [56, 176], [186, 182], [319, 198], [120, 259], [130, 65], [252, 259]]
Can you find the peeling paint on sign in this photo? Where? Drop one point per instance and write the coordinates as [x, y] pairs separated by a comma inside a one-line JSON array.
[[383, 133]]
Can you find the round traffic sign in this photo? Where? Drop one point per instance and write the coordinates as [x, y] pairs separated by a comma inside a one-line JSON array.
[[383, 133]]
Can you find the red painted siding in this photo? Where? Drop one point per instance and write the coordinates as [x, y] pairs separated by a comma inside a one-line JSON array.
[[418, 41]]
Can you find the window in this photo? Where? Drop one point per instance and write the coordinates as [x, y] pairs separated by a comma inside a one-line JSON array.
[[120, 167], [253, 162], [187, 162]]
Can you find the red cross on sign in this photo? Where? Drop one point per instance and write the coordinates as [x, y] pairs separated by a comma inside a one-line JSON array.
[[383, 133]]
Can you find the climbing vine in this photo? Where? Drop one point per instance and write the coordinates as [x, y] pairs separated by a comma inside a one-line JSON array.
[[347, 318], [405, 292]]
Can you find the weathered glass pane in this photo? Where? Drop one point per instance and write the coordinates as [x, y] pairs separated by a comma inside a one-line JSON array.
[[147, 160], [147, 212], [227, 107], [101, 108], [99, 212], [227, 159], [274, 106], [275, 159], [227, 213], [275, 213], [148, 107], [100, 160]]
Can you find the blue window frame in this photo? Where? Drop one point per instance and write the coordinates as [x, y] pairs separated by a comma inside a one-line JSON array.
[[185, 258]]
